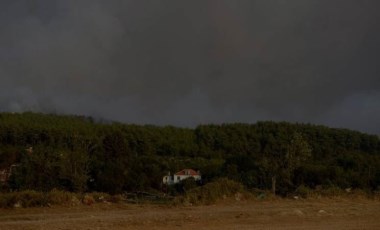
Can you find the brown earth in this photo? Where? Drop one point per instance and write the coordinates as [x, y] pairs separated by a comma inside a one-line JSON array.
[[275, 214]]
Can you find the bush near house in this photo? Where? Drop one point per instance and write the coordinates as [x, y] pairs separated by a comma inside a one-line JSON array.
[[212, 192]]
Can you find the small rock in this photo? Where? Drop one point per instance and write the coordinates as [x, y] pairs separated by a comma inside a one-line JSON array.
[[298, 212], [322, 212], [18, 205], [238, 196]]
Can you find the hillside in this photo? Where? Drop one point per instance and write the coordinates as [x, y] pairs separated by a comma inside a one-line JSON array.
[[79, 154]]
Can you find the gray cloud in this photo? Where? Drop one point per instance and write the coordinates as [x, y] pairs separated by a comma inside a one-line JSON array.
[[190, 62]]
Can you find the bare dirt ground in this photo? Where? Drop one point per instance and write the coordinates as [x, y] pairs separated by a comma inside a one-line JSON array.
[[277, 214]]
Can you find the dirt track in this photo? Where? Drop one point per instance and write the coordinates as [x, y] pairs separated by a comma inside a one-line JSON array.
[[281, 214]]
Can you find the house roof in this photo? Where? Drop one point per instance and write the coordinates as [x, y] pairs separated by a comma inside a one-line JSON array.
[[190, 172]]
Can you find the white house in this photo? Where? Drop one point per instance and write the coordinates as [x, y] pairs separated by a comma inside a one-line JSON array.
[[181, 175]]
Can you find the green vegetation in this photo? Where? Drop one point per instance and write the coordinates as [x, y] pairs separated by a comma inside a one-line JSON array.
[[31, 198], [78, 154], [212, 192]]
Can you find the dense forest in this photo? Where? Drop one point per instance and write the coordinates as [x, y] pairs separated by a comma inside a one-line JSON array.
[[81, 154]]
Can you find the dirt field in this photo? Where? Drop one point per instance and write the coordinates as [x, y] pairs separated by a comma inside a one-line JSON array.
[[279, 214]]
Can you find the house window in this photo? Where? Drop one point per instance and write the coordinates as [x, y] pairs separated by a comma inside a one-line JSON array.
[[178, 178]]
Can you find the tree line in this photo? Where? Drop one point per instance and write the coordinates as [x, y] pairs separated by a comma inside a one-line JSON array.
[[79, 154]]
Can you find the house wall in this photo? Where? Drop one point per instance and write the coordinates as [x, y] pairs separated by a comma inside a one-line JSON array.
[[167, 180], [177, 178]]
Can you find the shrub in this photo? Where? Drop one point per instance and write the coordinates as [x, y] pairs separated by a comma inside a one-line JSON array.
[[303, 191], [27, 198], [88, 199], [183, 186], [7, 200], [101, 197], [188, 184], [31, 198], [60, 197], [117, 198], [212, 192], [332, 191]]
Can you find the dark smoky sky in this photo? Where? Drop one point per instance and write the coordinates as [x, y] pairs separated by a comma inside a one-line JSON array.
[[192, 62]]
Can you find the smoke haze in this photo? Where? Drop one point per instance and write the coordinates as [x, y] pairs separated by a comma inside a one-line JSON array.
[[193, 62]]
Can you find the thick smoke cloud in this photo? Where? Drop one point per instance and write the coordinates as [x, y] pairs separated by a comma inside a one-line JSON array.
[[191, 62]]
